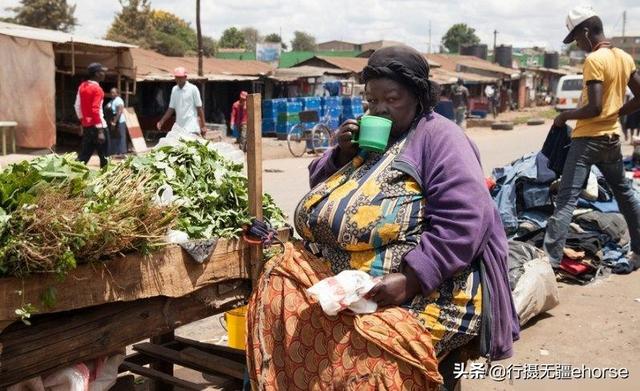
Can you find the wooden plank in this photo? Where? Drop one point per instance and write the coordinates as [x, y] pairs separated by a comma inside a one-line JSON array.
[[254, 170], [223, 365], [170, 272], [162, 366], [134, 130], [194, 359], [141, 359], [160, 376], [236, 355], [60, 340]]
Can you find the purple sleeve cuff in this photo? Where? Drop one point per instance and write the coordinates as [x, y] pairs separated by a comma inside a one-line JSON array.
[[427, 272]]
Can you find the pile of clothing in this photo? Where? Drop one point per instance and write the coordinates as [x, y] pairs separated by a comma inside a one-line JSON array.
[[525, 191]]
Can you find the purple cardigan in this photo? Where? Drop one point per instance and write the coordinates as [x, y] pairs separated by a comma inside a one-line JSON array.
[[463, 223]]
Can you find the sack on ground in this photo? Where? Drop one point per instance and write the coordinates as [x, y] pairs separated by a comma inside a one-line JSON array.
[[536, 290]]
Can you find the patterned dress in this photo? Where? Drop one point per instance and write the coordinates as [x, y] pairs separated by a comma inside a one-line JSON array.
[[367, 216]]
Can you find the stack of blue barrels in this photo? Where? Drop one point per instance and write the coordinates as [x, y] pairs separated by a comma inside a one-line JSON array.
[[332, 111], [270, 116], [287, 116], [351, 107]]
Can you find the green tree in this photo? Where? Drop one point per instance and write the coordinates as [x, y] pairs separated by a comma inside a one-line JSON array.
[[251, 37], [48, 14], [232, 38], [158, 30], [459, 34], [133, 24], [168, 23], [209, 46], [303, 42], [275, 38]]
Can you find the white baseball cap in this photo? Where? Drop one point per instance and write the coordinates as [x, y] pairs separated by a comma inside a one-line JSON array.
[[575, 17]]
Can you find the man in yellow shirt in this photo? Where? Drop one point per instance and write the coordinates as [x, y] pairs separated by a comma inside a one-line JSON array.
[[596, 138]]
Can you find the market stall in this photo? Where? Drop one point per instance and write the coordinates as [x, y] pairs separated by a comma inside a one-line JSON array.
[[50, 321]]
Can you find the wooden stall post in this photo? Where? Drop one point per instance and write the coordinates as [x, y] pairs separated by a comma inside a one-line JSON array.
[[162, 366], [254, 173]]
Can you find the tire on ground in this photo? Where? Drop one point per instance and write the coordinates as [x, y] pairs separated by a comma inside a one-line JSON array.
[[535, 121], [502, 125]]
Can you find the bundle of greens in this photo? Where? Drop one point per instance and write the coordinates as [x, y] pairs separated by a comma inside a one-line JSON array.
[[56, 214], [210, 191]]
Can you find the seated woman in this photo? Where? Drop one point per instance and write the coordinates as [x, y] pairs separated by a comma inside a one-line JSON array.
[[419, 217]]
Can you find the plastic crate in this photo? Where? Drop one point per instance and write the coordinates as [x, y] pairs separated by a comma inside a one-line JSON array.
[[351, 100], [290, 107], [333, 111], [332, 101], [268, 125], [288, 117], [271, 113], [283, 127]]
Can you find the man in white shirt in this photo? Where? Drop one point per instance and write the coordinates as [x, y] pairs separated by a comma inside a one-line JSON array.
[[186, 103], [491, 95]]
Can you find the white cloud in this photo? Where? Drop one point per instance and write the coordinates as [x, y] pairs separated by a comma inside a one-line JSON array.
[[519, 22]]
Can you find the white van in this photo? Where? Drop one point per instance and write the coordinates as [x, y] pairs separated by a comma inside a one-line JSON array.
[[568, 92]]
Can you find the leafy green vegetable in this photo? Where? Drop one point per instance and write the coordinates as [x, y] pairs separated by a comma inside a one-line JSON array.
[[211, 191]]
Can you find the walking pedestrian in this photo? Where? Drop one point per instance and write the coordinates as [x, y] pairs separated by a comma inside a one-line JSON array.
[[88, 106], [186, 103], [595, 139], [460, 99], [239, 119]]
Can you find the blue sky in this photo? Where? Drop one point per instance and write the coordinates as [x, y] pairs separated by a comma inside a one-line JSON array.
[[519, 22]]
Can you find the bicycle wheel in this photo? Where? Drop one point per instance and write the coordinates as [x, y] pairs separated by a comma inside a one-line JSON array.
[[296, 140], [320, 138]]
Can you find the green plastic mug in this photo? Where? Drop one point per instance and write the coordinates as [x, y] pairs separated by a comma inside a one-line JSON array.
[[374, 133]]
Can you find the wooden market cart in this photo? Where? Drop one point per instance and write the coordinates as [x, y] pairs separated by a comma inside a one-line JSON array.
[[102, 308]]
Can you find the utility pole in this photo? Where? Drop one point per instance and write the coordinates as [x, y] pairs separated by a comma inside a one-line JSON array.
[[199, 31], [429, 51], [495, 39], [624, 23]]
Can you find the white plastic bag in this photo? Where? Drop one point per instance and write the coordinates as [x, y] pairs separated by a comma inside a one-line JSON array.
[[75, 378], [106, 372], [177, 237], [228, 151], [345, 290], [176, 136], [164, 195], [536, 291], [96, 375]]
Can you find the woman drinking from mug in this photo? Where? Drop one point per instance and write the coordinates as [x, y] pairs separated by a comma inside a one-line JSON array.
[[417, 215]]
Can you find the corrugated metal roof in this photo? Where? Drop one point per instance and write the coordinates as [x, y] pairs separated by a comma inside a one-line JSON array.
[[446, 77], [352, 64], [155, 66], [452, 62], [295, 73], [548, 70], [16, 30], [432, 64]]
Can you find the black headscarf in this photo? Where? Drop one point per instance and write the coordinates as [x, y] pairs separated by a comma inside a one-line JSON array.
[[406, 66]]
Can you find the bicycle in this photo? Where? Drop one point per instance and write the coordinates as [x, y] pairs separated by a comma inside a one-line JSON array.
[[300, 138]]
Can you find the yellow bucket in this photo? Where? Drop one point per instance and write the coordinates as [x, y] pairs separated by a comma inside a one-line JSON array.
[[236, 327]]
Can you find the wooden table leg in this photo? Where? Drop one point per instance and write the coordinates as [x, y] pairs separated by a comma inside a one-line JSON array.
[[164, 367]]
